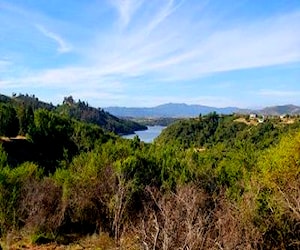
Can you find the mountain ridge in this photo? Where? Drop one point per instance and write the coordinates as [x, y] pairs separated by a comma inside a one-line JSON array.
[[290, 109], [178, 110], [168, 110]]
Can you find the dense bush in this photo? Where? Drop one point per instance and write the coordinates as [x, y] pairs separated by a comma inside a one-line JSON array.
[[206, 183], [12, 182], [9, 125]]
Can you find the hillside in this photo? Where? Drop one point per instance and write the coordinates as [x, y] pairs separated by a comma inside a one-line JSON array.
[[206, 182], [206, 131], [281, 110], [26, 101], [4, 98], [82, 111], [77, 110], [175, 110]]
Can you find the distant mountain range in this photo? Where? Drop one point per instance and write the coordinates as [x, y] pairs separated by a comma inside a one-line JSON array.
[[168, 110], [185, 110], [281, 110]]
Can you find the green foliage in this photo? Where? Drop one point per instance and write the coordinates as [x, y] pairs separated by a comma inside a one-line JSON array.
[[140, 169], [8, 121], [51, 134], [280, 165], [83, 112], [50, 126], [31, 101], [239, 176], [209, 130], [26, 118], [40, 238], [86, 136], [275, 190], [3, 158], [162, 121], [11, 183], [204, 131], [59, 138]]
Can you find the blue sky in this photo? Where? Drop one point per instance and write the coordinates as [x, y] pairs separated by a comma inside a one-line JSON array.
[[137, 53]]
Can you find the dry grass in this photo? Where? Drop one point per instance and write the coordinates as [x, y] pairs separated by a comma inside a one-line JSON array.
[[3, 138], [288, 120], [100, 241], [8, 139], [19, 137], [243, 120], [199, 149]]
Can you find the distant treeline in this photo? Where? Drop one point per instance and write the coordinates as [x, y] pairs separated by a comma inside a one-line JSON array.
[[163, 121]]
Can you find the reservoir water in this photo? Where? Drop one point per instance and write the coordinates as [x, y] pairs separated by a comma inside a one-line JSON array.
[[147, 135]]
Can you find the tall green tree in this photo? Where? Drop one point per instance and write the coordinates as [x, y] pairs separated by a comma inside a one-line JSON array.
[[9, 124], [26, 118]]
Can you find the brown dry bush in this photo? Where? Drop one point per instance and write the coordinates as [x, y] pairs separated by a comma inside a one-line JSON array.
[[191, 219], [41, 205], [233, 226], [82, 206], [45, 208], [178, 220]]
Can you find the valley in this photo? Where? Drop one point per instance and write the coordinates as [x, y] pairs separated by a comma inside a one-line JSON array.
[[68, 182]]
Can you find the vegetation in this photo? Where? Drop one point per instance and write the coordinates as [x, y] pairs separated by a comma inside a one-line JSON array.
[[83, 112], [211, 182], [25, 105], [163, 121]]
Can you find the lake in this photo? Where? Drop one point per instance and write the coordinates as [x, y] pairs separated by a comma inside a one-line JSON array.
[[147, 135]]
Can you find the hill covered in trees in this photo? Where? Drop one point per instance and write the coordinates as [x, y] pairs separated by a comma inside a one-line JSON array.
[[82, 111], [207, 131], [78, 110], [211, 182]]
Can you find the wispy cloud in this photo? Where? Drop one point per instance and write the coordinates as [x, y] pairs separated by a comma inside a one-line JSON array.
[[160, 41], [275, 41], [126, 9], [69, 81], [188, 52], [163, 13], [69, 77], [63, 46], [154, 48], [136, 54]]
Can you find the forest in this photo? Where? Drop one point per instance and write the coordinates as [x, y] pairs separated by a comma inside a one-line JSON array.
[[209, 182]]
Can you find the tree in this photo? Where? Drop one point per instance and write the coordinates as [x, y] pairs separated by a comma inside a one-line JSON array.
[[51, 133], [9, 125], [26, 118], [3, 157], [69, 100]]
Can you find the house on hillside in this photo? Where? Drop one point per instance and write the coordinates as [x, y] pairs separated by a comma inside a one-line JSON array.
[[252, 116], [283, 116], [261, 119]]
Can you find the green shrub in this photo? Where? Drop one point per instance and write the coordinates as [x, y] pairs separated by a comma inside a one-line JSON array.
[[11, 184]]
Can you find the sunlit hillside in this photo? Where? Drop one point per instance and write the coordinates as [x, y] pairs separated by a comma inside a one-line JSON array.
[[209, 182]]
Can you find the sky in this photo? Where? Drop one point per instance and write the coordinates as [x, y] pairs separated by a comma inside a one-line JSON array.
[[143, 53]]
